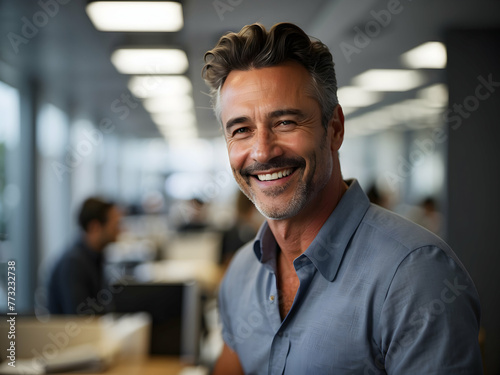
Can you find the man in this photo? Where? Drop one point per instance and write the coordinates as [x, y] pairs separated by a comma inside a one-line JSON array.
[[331, 284], [77, 275]]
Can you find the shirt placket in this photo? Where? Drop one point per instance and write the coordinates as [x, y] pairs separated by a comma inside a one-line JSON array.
[[280, 344], [279, 353], [281, 341]]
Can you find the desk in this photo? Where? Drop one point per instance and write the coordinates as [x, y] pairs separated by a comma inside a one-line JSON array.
[[147, 366]]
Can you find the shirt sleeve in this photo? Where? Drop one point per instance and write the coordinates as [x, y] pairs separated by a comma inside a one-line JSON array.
[[429, 322]]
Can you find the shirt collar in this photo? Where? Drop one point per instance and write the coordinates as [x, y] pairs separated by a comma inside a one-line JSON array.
[[265, 247], [327, 249]]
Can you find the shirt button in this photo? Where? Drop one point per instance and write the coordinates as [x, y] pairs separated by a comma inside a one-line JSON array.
[[271, 298]]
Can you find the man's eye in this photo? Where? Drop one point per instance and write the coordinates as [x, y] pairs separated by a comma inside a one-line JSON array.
[[240, 130], [287, 122]]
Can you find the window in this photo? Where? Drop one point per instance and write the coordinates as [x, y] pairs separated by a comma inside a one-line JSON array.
[[9, 139]]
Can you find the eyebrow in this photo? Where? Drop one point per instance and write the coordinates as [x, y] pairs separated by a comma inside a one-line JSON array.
[[236, 121], [278, 113], [287, 112]]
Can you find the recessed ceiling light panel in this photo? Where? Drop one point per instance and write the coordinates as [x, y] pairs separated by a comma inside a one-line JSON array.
[[136, 16], [431, 55], [150, 61], [168, 103], [175, 120], [352, 96], [435, 95], [389, 80], [153, 86]]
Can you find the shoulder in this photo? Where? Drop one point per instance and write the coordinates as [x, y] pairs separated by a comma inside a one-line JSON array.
[[418, 267], [397, 237], [72, 254], [426, 290], [397, 228], [72, 261], [401, 255]]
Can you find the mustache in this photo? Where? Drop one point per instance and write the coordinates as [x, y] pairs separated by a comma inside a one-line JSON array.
[[276, 163]]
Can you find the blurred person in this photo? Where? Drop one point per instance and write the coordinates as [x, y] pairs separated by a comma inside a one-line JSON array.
[[377, 197], [428, 215], [196, 218], [331, 284], [153, 202], [77, 277], [244, 229]]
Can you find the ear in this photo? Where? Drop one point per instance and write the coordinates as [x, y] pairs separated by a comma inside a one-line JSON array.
[[336, 128]]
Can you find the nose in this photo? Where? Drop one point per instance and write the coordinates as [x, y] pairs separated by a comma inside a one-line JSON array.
[[265, 146]]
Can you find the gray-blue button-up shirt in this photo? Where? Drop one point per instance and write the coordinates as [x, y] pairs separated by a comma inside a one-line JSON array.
[[378, 295]]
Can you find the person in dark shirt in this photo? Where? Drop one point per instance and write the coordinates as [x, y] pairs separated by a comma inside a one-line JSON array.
[[77, 275]]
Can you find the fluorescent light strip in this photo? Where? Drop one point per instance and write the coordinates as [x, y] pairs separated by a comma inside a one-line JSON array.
[[435, 95], [168, 103], [352, 96], [389, 80], [136, 15], [150, 61], [430, 55], [153, 86], [175, 119], [179, 134]]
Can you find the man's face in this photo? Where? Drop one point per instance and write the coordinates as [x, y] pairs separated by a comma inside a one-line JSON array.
[[111, 228], [281, 155]]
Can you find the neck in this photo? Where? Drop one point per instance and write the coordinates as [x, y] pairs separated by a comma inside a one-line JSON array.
[[294, 235], [93, 242]]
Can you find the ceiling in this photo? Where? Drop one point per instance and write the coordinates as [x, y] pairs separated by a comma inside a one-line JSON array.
[[71, 59]]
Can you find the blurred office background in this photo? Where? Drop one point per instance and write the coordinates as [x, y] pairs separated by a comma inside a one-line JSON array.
[[80, 115]]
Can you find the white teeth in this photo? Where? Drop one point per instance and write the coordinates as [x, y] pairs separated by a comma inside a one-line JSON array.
[[275, 175], [264, 177]]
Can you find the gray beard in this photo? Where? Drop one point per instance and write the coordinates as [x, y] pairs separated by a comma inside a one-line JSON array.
[[291, 209]]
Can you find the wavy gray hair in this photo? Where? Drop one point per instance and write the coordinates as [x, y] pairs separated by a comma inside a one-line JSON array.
[[254, 47]]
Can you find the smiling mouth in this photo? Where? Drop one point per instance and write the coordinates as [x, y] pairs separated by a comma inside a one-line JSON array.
[[275, 175]]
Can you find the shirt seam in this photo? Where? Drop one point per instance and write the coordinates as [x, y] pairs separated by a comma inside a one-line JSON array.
[[394, 275], [392, 237]]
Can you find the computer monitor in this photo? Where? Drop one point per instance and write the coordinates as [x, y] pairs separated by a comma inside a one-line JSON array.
[[176, 314]]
